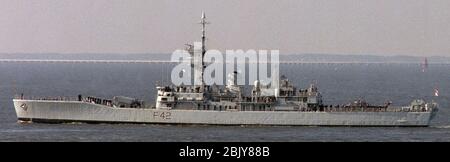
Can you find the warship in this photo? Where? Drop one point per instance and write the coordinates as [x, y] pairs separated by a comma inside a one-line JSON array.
[[226, 105]]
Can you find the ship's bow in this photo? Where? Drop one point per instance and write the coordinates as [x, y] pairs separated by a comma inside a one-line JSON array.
[[22, 108]]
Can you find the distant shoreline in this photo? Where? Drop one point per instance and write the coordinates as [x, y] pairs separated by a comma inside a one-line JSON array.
[[174, 62], [164, 57]]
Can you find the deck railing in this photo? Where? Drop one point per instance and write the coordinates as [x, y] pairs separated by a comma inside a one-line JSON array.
[[53, 98]]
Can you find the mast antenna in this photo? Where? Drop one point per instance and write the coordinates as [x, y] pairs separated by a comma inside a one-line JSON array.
[[203, 22]]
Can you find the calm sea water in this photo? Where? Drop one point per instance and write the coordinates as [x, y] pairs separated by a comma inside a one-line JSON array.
[[339, 83]]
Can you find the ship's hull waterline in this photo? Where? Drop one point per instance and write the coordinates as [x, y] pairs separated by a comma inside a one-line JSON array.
[[77, 111]]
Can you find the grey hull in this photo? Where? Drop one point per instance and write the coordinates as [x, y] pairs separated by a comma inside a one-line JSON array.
[[54, 111]]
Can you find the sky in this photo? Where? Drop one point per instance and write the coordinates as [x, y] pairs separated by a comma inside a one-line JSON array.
[[363, 27]]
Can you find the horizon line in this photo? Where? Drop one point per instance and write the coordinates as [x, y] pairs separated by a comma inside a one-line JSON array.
[[160, 53]]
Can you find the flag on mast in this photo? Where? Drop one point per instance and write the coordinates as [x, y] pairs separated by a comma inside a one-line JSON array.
[[436, 92]]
